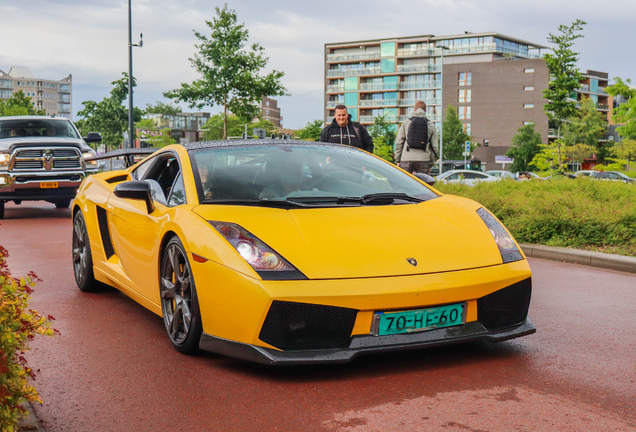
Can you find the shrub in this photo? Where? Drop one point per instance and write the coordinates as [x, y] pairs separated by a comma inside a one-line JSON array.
[[560, 212], [18, 326]]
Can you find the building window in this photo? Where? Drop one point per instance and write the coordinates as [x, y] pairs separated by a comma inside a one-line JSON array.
[[266, 112], [528, 123], [467, 128], [528, 105], [528, 71], [266, 103], [464, 96], [465, 78], [464, 112], [528, 88]]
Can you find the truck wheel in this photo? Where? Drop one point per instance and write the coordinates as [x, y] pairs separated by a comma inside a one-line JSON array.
[[1, 209], [62, 204]]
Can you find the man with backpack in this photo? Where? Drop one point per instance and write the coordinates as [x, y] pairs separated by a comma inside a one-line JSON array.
[[416, 142]]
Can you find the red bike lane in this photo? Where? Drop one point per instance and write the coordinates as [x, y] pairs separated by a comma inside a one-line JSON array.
[[113, 368]]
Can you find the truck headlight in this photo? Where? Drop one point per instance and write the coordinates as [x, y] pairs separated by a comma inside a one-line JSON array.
[[88, 156], [4, 160]]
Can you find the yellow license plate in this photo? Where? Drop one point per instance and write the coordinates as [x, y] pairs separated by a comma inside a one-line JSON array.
[[48, 185]]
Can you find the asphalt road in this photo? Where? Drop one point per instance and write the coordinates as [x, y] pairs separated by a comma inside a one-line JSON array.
[[113, 368]]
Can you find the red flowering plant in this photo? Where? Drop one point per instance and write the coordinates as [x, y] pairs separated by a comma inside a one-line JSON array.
[[18, 327]]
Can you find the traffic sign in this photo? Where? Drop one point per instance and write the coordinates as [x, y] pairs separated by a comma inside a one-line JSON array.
[[467, 147]]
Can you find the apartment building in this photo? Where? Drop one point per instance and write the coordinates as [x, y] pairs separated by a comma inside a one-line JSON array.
[[53, 96], [184, 127], [495, 81], [271, 112]]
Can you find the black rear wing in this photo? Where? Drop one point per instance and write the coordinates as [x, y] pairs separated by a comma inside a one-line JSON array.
[[128, 155]]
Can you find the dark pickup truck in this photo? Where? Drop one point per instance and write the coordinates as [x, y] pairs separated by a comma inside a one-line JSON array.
[[42, 158]]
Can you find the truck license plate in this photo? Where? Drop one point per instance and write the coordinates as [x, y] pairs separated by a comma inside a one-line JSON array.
[[48, 185]]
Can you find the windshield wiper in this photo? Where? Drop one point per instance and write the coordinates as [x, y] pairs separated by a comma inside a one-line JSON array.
[[266, 202], [388, 198]]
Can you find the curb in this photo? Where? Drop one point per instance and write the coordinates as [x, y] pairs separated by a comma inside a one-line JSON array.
[[30, 421], [592, 259]]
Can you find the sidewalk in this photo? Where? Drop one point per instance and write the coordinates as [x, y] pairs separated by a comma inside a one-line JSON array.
[[592, 259], [30, 422]]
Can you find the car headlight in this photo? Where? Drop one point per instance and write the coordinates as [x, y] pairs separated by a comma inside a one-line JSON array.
[[88, 156], [506, 244], [267, 263]]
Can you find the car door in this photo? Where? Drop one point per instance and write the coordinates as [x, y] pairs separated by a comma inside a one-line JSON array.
[[136, 233]]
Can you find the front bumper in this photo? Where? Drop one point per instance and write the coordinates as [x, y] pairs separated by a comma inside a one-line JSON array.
[[26, 185], [365, 344]]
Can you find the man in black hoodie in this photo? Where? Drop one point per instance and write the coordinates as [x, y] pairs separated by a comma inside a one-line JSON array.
[[343, 131]]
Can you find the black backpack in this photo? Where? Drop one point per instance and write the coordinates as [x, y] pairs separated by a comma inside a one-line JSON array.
[[417, 135]]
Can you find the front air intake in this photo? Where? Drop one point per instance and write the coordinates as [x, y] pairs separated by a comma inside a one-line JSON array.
[[303, 326], [505, 308]]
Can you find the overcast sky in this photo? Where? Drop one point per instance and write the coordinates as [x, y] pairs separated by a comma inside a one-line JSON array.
[[89, 38]]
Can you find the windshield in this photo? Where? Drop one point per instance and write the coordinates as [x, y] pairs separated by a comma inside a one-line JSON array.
[[37, 128], [307, 174]]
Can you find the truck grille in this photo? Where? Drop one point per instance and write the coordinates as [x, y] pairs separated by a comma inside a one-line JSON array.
[[46, 159]]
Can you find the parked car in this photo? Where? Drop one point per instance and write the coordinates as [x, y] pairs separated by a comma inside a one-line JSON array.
[[527, 175], [613, 175], [503, 174], [585, 173], [261, 250], [42, 158], [467, 177]]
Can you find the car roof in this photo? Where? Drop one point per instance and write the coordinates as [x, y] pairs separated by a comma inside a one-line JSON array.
[[251, 142], [464, 171]]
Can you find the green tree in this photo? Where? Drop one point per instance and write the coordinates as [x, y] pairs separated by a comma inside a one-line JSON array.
[[163, 139], [578, 152], [526, 145], [564, 78], [587, 127], [108, 117], [311, 132], [381, 127], [145, 123], [545, 160], [162, 108], [383, 148], [625, 113], [626, 150], [454, 135], [229, 73], [19, 104], [214, 127]]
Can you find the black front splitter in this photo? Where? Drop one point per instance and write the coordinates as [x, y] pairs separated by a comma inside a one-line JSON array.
[[364, 344]]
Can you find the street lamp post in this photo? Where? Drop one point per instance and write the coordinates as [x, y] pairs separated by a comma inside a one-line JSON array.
[[441, 129], [131, 124]]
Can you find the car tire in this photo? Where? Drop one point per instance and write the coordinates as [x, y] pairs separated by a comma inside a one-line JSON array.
[[179, 301], [62, 204], [82, 257], [1, 209]]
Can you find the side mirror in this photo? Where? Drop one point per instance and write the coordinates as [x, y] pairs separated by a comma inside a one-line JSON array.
[[139, 190], [425, 178], [93, 137]]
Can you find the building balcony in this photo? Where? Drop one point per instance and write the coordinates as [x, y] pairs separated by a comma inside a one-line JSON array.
[[602, 107], [405, 52], [6, 85], [378, 102], [420, 85], [490, 48], [552, 133], [335, 88], [419, 68], [411, 102], [371, 119], [370, 86], [345, 57], [348, 72]]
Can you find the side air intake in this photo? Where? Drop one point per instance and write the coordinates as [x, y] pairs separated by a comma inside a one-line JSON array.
[[102, 219]]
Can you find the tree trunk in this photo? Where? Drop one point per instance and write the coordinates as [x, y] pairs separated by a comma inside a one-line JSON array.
[[225, 121], [559, 147]]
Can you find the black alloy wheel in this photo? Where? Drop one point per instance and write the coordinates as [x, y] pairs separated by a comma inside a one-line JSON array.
[[82, 258], [179, 303]]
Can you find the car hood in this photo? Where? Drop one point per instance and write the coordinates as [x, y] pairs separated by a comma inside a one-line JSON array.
[[444, 234], [11, 143]]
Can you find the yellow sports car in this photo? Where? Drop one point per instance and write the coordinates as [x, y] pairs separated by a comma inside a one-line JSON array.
[[286, 252]]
